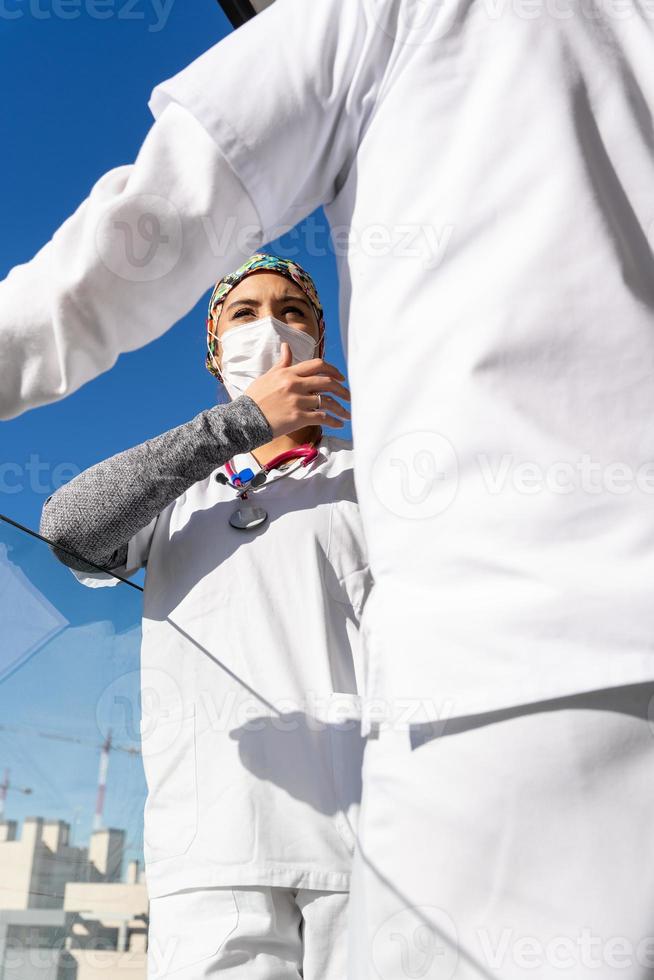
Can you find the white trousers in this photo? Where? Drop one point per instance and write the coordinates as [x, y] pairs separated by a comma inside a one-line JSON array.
[[513, 845], [255, 933]]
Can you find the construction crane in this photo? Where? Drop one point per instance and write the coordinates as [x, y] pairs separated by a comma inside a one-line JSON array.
[[5, 786], [106, 748]]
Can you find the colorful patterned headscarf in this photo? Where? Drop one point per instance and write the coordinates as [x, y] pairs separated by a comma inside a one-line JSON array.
[[272, 263]]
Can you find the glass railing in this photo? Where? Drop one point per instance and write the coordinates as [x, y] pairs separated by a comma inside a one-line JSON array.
[[72, 788]]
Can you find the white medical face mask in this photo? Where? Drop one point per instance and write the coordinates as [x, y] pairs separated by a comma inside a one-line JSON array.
[[251, 349]]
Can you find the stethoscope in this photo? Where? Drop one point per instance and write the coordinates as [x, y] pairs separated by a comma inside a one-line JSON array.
[[247, 515]]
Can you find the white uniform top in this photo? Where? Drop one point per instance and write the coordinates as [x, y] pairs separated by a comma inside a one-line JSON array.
[[488, 173], [251, 719]]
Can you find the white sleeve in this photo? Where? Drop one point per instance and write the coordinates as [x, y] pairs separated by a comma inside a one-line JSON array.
[[287, 97], [138, 551], [252, 136], [133, 259]]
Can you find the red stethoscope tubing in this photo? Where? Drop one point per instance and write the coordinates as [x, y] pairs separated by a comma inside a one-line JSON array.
[[308, 451]]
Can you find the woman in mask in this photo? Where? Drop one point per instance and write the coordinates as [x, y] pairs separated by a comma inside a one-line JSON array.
[[246, 521]]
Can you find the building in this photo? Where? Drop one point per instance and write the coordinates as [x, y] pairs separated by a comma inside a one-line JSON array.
[[65, 912]]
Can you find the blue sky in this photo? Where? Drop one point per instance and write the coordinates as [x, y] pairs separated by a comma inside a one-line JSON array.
[[76, 76], [75, 106]]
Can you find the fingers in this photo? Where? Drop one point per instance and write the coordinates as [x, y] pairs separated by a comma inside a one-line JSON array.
[[323, 383], [323, 418], [307, 404], [285, 355], [317, 366], [331, 405]]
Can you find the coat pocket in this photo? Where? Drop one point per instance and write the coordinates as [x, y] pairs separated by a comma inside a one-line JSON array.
[[170, 816], [188, 929]]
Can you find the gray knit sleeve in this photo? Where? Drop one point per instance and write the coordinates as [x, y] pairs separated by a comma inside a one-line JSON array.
[[95, 514]]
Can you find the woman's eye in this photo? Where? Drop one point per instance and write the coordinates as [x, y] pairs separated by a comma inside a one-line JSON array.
[[245, 311]]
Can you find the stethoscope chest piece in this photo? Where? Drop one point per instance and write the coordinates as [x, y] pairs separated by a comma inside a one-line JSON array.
[[247, 516]]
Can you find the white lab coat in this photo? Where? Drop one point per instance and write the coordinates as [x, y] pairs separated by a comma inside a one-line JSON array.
[[249, 660], [482, 373]]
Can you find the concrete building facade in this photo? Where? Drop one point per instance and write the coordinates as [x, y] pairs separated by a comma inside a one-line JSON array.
[[65, 911]]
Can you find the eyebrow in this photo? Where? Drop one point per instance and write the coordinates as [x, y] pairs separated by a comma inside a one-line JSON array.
[[256, 302]]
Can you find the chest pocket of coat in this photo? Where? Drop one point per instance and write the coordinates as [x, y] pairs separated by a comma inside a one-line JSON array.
[[348, 578], [169, 761]]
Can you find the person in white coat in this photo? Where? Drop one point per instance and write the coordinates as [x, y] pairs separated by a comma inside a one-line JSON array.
[[256, 576], [487, 171]]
